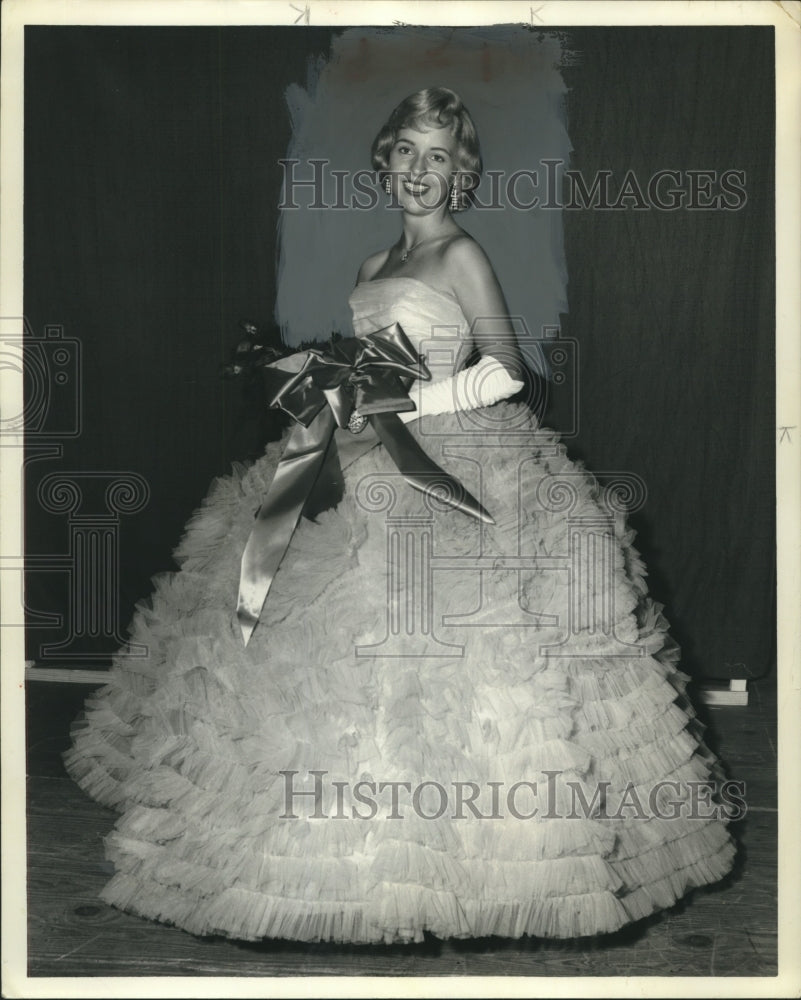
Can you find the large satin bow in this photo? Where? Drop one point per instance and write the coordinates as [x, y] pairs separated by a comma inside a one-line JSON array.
[[321, 389]]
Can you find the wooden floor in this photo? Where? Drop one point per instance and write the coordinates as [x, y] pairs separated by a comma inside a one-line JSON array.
[[728, 930]]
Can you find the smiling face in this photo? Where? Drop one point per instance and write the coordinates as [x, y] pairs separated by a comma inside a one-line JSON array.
[[422, 166]]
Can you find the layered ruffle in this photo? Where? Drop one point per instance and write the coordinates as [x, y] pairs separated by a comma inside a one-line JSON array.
[[236, 769]]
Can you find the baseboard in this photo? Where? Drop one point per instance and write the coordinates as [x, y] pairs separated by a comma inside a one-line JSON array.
[[65, 675], [735, 692]]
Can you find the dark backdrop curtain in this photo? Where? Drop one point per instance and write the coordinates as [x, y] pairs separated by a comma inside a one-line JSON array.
[[675, 318], [151, 194], [152, 187]]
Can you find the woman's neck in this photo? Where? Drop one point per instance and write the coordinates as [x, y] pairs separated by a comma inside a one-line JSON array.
[[419, 230]]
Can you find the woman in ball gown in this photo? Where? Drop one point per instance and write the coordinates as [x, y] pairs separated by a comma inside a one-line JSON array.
[[448, 719]]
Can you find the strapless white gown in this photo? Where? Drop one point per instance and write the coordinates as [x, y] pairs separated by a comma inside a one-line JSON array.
[[484, 674]]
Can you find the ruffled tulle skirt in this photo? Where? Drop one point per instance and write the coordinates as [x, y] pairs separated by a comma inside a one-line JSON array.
[[438, 726]]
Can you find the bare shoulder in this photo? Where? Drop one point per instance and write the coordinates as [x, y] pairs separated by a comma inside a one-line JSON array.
[[372, 266], [469, 273], [464, 258]]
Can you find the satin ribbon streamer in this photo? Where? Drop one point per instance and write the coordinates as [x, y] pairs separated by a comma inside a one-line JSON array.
[[320, 389]]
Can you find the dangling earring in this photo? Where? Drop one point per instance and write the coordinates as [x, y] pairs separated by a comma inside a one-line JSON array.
[[456, 196], [388, 184]]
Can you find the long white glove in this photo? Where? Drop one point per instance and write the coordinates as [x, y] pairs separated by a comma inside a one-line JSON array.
[[482, 384]]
